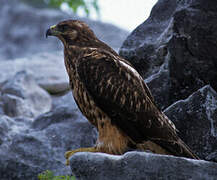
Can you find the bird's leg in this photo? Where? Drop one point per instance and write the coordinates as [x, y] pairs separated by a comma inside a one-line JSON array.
[[68, 154]]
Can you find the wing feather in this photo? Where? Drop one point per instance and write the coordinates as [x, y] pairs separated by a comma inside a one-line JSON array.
[[121, 93]]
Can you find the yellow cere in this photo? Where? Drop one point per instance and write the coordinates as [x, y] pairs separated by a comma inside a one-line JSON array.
[[52, 26]]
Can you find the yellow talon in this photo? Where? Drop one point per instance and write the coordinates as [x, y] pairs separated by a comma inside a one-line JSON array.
[[68, 154]]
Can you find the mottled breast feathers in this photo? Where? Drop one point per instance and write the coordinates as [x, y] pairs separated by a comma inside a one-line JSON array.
[[121, 93]]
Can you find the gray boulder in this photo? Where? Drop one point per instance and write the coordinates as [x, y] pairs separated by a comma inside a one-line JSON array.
[[21, 96], [138, 166], [196, 120], [181, 36], [23, 28]]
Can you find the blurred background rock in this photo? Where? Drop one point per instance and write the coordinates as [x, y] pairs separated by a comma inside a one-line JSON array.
[[22, 28]]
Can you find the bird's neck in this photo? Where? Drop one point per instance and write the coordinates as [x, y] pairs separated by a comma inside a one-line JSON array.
[[70, 59], [73, 53]]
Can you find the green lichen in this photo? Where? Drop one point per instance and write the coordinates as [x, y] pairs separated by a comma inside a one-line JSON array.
[[49, 175]]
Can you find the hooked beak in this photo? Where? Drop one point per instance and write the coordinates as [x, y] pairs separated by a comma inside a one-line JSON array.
[[52, 31]]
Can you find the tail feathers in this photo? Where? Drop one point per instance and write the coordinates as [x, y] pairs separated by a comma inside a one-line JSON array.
[[187, 151], [176, 148]]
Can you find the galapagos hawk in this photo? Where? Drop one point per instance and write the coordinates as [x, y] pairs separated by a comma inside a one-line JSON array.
[[113, 97]]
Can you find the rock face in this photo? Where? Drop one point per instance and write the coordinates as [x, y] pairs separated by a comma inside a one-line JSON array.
[[26, 26], [139, 165], [181, 36], [159, 84], [196, 120]]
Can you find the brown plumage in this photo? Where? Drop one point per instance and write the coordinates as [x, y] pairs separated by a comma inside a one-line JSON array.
[[113, 96]]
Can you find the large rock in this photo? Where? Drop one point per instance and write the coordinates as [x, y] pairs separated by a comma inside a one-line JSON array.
[[139, 165], [21, 96], [196, 120], [180, 35], [23, 28]]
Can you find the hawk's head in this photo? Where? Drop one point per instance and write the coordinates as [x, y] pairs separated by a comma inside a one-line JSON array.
[[72, 32], [77, 33]]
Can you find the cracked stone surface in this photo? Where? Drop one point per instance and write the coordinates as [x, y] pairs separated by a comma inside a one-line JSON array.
[[196, 120], [139, 165], [181, 37]]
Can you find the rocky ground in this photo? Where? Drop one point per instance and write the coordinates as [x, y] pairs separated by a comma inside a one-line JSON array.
[[175, 52], [140, 165]]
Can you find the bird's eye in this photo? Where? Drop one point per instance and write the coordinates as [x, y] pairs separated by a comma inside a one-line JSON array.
[[63, 27]]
